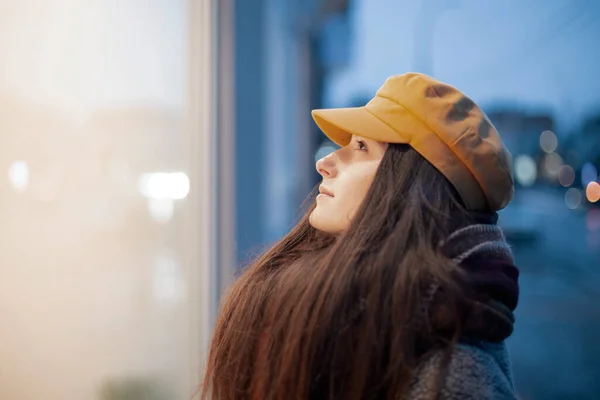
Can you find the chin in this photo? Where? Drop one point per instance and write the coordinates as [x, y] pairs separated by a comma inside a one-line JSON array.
[[313, 220], [316, 220], [321, 221]]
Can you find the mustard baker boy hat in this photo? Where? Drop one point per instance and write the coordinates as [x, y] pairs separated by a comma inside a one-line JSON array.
[[443, 125]]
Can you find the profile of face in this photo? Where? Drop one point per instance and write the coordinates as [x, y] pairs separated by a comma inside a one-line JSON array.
[[347, 175]]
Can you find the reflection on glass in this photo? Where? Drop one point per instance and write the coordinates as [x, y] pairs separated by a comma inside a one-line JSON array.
[[161, 210], [163, 185], [94, 291], [18, 175]]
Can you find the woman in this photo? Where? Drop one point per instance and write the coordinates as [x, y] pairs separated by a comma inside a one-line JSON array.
[[397, 283]]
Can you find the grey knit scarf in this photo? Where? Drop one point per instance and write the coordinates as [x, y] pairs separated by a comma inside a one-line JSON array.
[[479, 239], [477, 369]]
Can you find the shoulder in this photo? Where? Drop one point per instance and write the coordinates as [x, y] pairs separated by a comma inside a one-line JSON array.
[[477, 370]]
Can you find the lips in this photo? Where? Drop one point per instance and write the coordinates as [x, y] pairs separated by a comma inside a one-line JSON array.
[[325, 191]]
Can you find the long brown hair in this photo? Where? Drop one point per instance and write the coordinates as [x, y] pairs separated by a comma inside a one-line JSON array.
[[318, 317]]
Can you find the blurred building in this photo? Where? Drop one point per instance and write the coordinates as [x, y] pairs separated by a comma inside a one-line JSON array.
[[585, 141], [521, 130]]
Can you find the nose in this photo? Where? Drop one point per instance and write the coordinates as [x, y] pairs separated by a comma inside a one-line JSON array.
[[326, 166]]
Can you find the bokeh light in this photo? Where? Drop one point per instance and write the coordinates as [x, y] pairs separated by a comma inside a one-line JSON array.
[[589, 173], [525, 170], [552, 164], [161, 210], [592, 192], [566, 175], [548, 141], [164, 185], [573, 198], [18, 176]]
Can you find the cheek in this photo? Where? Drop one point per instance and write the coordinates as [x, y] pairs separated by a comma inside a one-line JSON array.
[[354, 191], [350, 192], [334, 215]]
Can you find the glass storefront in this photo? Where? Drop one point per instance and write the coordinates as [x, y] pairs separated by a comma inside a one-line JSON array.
[[107, 264]]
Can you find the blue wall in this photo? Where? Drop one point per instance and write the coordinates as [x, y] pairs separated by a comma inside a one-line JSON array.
[[249, 124]]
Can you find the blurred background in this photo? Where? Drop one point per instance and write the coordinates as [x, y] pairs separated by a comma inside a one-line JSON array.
[[151, 148]]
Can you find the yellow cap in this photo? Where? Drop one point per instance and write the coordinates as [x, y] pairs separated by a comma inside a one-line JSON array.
[[443, 125]]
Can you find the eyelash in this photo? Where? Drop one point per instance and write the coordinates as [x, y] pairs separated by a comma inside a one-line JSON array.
[[361, 146]]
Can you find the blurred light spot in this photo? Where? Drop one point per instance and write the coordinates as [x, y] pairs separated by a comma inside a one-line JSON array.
[[168, 282], [589, 173], [592, 192], [161, 210], [525, 170], [552, 164], [325, 149], [566, 175], [548, 141], [573, 198], [164, 185], [592, 219], [18, 175]]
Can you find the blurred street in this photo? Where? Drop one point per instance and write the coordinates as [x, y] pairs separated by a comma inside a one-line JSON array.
[[554, 348]]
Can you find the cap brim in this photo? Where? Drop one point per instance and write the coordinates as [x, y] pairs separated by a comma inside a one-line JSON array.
[[339, 124]]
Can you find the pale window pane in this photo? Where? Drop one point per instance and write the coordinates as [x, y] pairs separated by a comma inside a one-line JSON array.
[[95, 268]]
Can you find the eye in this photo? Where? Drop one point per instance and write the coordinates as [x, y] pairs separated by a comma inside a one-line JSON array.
[[361, 145]]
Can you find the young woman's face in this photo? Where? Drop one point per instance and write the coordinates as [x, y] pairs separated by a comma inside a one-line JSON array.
[[347, 175]]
